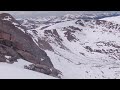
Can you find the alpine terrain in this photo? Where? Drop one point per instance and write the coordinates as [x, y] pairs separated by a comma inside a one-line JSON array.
[[65, 47]]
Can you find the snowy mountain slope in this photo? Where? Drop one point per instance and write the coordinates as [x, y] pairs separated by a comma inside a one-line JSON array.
[[17, 71], [91, 68], [32, 23], [82, 48], [115, 19]]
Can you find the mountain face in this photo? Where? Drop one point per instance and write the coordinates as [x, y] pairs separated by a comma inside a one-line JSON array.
[[16, 43], [32, 23], [81, 48]]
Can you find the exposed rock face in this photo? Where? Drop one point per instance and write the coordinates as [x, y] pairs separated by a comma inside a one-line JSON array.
[[44, 45], [23, 42], [15, 42]]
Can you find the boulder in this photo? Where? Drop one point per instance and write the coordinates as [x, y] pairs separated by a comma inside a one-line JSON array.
[[44, 69]]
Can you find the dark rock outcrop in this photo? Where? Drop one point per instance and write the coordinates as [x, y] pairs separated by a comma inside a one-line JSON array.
[[44, 69], [89, 48], [23, 42], [15, 42]]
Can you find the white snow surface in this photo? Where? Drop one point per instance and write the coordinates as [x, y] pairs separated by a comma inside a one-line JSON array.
[[17, 71], [115, 19], [72, 63]]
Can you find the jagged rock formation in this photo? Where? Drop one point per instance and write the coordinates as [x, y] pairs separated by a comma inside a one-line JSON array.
[[16, 43]]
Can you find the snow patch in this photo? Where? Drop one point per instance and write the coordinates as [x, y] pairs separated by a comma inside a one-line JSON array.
[[20, 29], [7, 18], [17, 71], [115, 19], [7, 57]]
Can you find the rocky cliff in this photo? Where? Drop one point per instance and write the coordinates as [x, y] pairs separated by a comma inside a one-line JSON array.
[[16, 43]]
